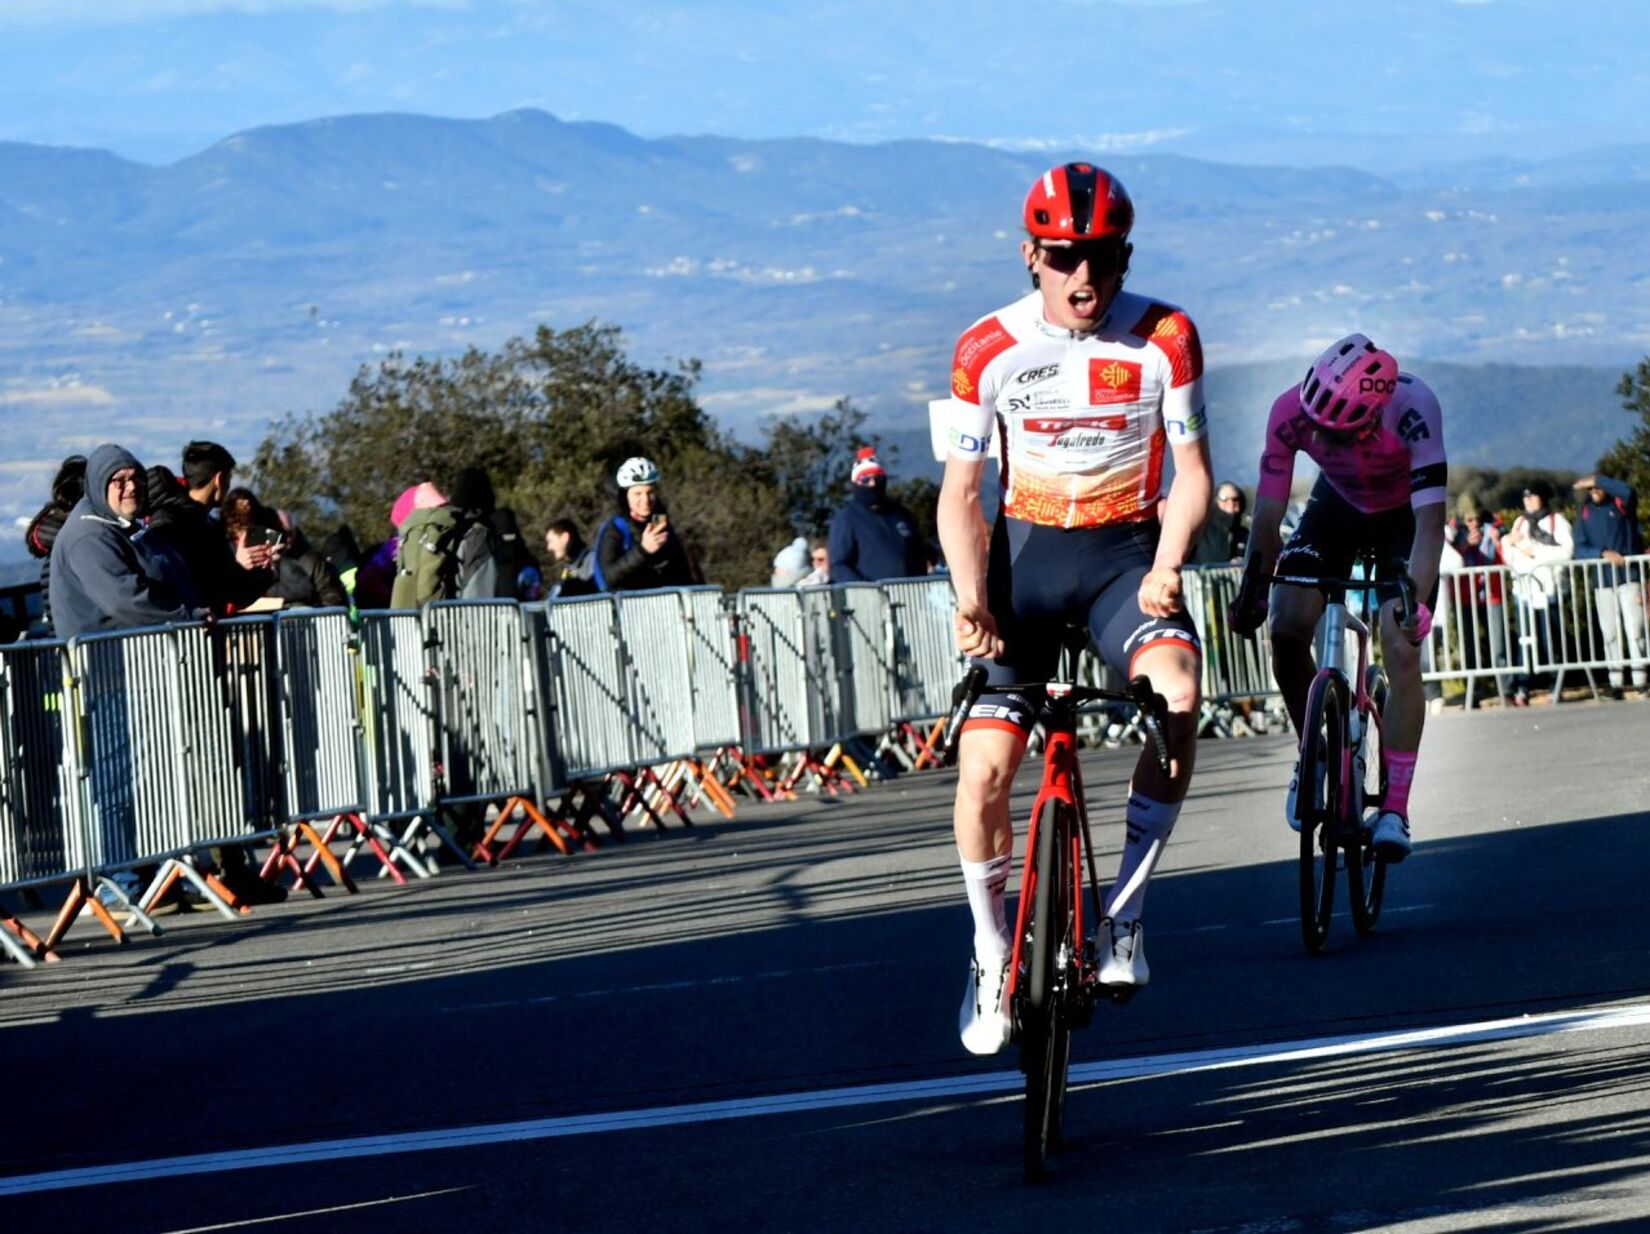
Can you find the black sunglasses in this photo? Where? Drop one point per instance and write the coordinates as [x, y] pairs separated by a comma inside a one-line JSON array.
[[1105, 257]]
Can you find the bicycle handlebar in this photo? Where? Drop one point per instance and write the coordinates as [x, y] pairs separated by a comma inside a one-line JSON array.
[[1405, 584], [1153, 708]]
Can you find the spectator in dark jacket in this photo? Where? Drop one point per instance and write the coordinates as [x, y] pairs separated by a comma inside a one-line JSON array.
[[303, 578], [343, 551], [103, 577], [572, 562], [637, 549], [1226, 530], [223, 578], [68, 487], [1606, 528], [873, 538]]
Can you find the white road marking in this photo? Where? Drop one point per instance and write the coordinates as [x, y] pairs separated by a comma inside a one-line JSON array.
[[1628, 1016], [316, 1212]]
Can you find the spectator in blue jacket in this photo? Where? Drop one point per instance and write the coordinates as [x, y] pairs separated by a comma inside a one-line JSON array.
[[874, 538], [1607, 528]]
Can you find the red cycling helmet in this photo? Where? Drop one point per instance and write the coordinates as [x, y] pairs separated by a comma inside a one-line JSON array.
[[1349, 385], [1078, 201]]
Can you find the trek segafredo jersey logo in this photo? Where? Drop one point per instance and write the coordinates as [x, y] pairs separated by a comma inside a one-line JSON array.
[[1113, 381]]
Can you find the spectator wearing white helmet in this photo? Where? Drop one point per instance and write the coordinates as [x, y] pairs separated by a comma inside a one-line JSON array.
[[638, 549]]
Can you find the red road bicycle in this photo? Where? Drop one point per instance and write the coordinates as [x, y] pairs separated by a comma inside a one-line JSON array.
[[1054, 975]]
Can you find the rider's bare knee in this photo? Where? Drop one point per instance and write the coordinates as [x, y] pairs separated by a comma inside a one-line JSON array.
[[985, 779]]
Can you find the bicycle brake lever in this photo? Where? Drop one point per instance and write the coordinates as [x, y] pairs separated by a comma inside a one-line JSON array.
[[1154, 714], [963, 697]]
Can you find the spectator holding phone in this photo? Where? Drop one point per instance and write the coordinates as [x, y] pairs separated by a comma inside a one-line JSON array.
[[638, 549], [303, 577], [182, 518]]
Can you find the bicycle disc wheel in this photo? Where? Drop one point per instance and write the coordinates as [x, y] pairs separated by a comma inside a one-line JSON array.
[[1322, 746], [1045, 1041], [1366, 874]]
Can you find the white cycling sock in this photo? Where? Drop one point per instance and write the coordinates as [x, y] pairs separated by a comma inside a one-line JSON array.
[[1149, 824], [987, 882]]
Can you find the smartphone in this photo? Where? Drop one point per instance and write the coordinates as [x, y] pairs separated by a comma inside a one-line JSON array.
[[271, 537], [658, 520]]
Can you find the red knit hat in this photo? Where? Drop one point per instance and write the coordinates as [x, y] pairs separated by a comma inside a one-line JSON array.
[[866, 467]]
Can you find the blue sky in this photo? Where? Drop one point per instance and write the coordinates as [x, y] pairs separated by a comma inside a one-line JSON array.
[[1255, 80]]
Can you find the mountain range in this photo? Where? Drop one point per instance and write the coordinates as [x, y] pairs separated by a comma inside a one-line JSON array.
[[206, 296]]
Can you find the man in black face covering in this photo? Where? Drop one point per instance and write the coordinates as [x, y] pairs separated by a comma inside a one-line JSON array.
[[873, 538]]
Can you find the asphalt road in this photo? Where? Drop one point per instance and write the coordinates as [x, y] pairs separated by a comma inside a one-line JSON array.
[[752, 1025]]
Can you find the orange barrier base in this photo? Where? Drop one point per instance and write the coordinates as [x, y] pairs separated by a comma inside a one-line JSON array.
[[80, 896], [553, 826], [31, 942], [358, 825]]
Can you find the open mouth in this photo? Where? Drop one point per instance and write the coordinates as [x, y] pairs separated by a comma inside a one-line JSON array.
[[1082, 301]]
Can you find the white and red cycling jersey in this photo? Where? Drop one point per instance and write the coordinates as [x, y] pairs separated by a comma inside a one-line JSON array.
[[1400, 459], [1083, 417]]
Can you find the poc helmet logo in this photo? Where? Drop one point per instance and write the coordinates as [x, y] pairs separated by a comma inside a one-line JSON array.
[[1376, 385]]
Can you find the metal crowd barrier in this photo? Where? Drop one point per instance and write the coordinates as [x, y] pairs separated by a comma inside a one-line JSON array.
[[486, 704], [585, 668], [923, 647], [778, 710], [1582, 616], [320, 714], [398, 714], [864, 654], [229, 729], [124, 750], [713, 668], [654, 638], [35, 814]]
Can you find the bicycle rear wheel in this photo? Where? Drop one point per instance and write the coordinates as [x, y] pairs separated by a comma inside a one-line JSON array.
[[1323, 745], [1045, 1028], [1366, 874]]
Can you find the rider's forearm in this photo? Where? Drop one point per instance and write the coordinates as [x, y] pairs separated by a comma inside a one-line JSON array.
[[1427, 550], [963, 539], [1183, 515], [1265, 533]]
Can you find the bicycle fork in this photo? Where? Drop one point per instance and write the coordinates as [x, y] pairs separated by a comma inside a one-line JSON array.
[[1061, 782]]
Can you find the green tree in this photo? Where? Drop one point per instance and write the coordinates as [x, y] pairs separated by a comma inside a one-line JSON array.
[[549, 417], [1629, 458], [811, 461]]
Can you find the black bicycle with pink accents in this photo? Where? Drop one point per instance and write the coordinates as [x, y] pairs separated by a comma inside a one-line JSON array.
[[1343, 763], [1054, 973]]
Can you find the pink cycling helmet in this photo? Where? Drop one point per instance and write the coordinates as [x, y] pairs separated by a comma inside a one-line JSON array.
[[1349, 385]]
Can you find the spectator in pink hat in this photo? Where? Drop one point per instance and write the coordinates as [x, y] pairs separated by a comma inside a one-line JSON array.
[[426, 556]]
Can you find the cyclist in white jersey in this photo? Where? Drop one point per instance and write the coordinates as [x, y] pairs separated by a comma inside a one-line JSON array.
[[1377, 435], [1087, 387]]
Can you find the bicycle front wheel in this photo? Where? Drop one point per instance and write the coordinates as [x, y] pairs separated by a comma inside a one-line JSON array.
[[1045, 1028], [1323, 747], [1366, 875]]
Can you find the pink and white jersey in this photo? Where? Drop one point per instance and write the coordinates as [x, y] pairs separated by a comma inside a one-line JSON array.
[[1083, 417], [1401, 460]]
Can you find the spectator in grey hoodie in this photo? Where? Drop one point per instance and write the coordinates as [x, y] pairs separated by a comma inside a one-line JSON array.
[[102, 576]]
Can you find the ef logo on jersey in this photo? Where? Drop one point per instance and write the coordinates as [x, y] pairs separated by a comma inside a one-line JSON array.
[[1113, 381]]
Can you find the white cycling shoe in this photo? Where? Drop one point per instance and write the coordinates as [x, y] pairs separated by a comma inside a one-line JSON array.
[[1390, 836], [984, 1022], [1124, 944]]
